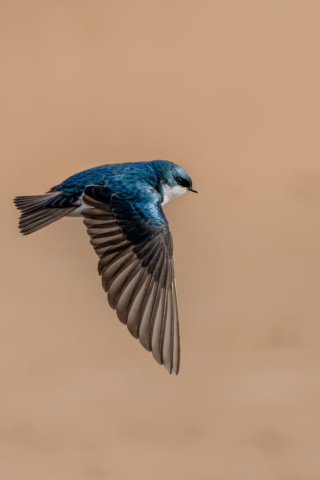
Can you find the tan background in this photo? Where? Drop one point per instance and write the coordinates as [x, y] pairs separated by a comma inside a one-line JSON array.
[[230, 91]]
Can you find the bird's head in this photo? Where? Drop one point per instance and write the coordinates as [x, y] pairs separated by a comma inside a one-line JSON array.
[[174, 180]]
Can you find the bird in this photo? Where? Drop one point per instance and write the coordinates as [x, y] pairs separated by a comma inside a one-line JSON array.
[[121, 205]]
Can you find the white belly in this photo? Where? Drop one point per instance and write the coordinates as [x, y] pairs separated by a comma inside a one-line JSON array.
[[77, 212]]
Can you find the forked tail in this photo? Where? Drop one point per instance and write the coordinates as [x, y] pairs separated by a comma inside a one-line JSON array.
[[40, 210]]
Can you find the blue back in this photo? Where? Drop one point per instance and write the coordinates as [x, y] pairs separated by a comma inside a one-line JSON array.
[[122, 178]]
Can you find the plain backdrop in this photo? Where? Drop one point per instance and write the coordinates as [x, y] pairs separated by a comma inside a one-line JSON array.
[[230, 91]]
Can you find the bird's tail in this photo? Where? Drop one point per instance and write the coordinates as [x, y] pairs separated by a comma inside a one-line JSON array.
[[40, 210]]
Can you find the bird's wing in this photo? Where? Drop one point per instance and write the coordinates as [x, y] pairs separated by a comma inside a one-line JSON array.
[[134, 245]]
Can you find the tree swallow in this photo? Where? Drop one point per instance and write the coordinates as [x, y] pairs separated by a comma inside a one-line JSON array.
[[122, 209]]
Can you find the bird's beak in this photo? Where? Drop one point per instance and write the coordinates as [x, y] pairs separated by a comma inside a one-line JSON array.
[[191, 190]]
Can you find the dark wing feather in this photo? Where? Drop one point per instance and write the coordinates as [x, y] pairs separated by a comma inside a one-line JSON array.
[[134, 246]]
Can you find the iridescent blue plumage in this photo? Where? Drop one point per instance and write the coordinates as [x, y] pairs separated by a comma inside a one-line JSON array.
[[125, 178], [122, 209]]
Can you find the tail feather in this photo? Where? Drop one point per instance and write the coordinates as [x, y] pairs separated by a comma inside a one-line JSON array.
[[40, 210]]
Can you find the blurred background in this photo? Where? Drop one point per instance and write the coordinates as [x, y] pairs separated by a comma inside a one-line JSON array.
[[230, 91]]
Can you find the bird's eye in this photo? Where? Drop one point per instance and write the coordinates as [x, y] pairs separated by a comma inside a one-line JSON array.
[[183, 182]]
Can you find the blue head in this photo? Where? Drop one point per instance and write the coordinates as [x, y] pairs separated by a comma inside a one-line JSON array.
[[174, 180]]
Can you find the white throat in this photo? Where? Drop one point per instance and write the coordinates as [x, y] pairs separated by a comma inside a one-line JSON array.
[[171, 192]]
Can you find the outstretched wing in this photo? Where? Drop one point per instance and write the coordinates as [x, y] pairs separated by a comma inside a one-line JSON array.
[[134, 245]]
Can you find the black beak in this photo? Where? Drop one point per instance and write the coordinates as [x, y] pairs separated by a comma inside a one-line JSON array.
[[191, 190]]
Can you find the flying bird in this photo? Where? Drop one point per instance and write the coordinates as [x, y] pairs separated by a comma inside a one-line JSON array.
[[122, 209]]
